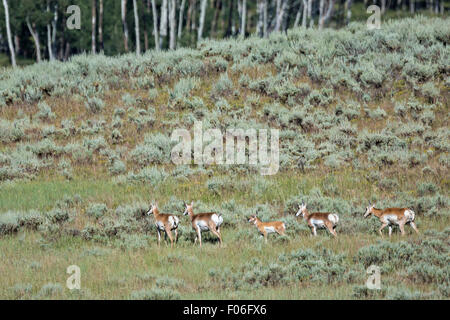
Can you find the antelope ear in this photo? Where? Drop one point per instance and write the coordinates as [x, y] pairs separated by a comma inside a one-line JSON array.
[[192, 203], [156, 204]]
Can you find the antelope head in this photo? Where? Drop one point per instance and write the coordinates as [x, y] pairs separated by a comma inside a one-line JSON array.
[[252, 219], [368, 210], [189, 208], [301, 209], [153, 207]]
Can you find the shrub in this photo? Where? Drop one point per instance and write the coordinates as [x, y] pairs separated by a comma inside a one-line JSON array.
[[430, 91], [129, 100], [58, 215], [31, 219], [402, 294], [50, 289], [167, 282], [94, 105], [45, 112], [155, 294], [156, 149], [223, 86], [150, 174], [9, 223], [96, 210], [11, 132], [21, 291], [424, 188]]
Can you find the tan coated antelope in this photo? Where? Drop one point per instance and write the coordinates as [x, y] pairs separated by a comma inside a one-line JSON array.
[[392, 216], [265, 228], [207, 221], [319, 219], [164, 222]]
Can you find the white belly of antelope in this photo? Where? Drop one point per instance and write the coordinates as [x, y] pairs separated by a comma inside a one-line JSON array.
[[391, 219], [317, 223], [202, 225], [160, 225], [269, 229]]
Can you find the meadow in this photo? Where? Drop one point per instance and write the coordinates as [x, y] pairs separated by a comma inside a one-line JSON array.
[[363, 116]]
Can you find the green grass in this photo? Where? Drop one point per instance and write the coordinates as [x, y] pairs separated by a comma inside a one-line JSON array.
[[117, 273]]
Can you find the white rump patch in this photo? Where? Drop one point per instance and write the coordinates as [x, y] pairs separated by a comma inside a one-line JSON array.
[[218, 220], [334, 218], [173, 222], [409, 215]]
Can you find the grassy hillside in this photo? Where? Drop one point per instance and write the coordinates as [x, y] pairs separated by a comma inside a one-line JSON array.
[[363, 116]]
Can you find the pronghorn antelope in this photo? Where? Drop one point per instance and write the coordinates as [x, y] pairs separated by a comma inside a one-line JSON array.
[[319, 219], [208, 221], [392, 216], [164, 222], [267, 227]]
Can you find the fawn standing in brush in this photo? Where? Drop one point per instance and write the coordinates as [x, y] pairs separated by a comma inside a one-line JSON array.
[[164, 222], [319, 219], [392, 216], [208, 221], [267, 227]]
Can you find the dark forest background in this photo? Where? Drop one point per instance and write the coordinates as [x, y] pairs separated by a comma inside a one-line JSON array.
[[38, 27]]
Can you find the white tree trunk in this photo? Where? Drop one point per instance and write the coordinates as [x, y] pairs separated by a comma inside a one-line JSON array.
[[93, 27], [325, 14], [49, 37], [348, 10], [243, 17], [136, 28], [321, 5], [202, 20], [260, 24], [124, 24], [180, 18], [8, 34], [163, 23], [281, 8], [411, 6], [155, 25], [100, 24], [35, 36], [54, 25], [305, 13], [172, 24]]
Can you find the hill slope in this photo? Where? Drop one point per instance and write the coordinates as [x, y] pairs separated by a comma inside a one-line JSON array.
[[363, 116]]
